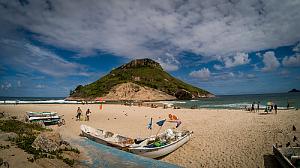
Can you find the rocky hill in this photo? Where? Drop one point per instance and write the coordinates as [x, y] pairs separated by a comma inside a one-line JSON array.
[[142, 79]]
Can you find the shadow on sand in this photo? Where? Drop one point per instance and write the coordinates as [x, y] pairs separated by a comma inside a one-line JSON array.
[[270, 161]]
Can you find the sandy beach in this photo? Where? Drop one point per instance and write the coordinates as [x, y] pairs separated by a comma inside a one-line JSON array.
[[222, 138]]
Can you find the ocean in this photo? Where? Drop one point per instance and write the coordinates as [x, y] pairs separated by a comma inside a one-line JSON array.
[[218, 102], [240, 101]]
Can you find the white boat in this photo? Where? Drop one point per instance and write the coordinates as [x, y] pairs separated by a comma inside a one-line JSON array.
[[45, 117], [288, 157], [106, 137], [163, 144]]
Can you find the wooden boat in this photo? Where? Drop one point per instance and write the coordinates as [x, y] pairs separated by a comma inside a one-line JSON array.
[[163, 144], [106, 137], [288, 157], [45, 117]]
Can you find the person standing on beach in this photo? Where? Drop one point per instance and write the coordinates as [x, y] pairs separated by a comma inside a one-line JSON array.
[[257, 106], [79, 111], [275, 108], [252, 107], [87, 115]]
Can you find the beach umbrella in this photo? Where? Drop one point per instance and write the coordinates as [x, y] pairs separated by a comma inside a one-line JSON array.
[[270, 103]]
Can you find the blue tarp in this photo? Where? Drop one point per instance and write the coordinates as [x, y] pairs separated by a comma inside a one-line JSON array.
[[105, 156]]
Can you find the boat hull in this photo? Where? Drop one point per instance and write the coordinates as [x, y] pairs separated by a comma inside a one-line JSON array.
[[283, 160], [119, 145], [161, 151]]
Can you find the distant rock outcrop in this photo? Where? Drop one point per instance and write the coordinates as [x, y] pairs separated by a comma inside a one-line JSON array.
[[141, 79], [294, 90]]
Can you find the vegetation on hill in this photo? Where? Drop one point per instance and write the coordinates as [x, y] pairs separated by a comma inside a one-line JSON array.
[[144, 72]]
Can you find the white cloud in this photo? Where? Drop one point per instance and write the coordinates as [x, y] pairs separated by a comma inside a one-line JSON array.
[[236, 60], [270, 61], [169, 62], [6, 86], [138, 29], [297, 47], [40, 86], [19, 83], [218, 67], [291, 61], [202, 74], [26, 55]]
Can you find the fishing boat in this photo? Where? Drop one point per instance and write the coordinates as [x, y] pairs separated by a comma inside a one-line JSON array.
[[288, 157], [44, 117], [161, 145], [106, 137]]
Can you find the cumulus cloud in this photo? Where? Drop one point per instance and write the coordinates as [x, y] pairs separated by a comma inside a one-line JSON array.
[[169, 62], [292, 61], [270, 62], [236, 60], [218, 67], [19, 83], [297, 47], [40, 86], [138, 29], [6, 86], [24, 54], [202, 74]]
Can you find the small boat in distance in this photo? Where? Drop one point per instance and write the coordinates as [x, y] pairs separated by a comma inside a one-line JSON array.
[[288, 157], [106, 137], [161, 145]]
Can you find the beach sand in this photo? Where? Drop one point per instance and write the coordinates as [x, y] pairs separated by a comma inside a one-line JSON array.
[[222, 138]]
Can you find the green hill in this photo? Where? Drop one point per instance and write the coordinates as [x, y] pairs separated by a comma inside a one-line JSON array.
[[143, 72]]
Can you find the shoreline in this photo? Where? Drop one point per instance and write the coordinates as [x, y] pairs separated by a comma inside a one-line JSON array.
[[221, 137]]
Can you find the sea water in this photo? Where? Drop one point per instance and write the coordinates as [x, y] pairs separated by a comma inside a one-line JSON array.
[[241, 101], [219, 102]]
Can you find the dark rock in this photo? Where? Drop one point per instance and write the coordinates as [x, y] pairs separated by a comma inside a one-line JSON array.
[[48, 141], [294, 90], [183, 94]]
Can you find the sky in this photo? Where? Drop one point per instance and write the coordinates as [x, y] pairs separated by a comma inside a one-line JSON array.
[[48, 47]]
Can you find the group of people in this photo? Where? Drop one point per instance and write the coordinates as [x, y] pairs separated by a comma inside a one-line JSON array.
[[271, 107], [87, 114], [255, 107]]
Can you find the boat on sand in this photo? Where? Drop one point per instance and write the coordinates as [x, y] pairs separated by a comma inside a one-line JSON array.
[[288, 157], [106, 137], [161, 145], [152, 147], [44, 117]]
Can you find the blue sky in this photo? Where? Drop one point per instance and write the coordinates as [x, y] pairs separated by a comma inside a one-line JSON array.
[[48, 47]]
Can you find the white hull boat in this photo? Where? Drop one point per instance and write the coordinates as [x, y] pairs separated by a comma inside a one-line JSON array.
[[45, 117], [163, 144], [106, 137], [288, 157]]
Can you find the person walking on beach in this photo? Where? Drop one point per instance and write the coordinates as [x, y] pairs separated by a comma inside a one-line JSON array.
[[257, 106], [275, 108], [87, 115], [252, 107], [79, 111]]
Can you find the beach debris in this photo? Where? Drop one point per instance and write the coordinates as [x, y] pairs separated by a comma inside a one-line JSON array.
[[288, 144], [49, 141], [294, 138], [4, 163], [2, 114], [115, 118], [294, 128]]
